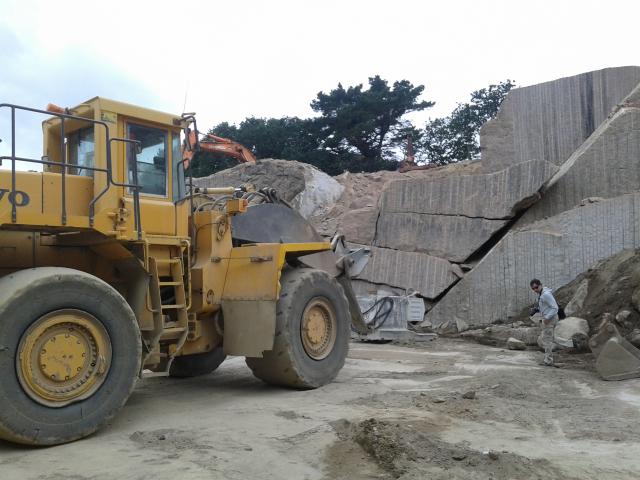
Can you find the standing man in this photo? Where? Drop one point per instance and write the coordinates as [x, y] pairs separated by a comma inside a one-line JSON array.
[[548, 308]]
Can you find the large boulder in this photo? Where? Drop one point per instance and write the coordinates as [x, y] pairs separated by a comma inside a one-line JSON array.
[[578, 298], [572, 332], [429, 276], [515, 344], [308, 189]]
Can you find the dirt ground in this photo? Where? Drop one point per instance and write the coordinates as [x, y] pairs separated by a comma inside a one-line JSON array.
[[394, 412]]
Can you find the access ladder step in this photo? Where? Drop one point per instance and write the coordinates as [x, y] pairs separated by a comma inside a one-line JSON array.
[[166, 284], [173, 307], [173, 332], [169, 260]]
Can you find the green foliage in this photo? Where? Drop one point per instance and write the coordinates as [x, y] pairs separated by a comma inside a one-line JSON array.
[[367, 122], [357, 130], [206, 163], [362, 129], [456, 137]]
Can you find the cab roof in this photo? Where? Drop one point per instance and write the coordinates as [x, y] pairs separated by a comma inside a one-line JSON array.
[[129, 110]]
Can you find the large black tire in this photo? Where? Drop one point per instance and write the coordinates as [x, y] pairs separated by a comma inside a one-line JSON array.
[[289, 364], [198, 364], [32, 294]]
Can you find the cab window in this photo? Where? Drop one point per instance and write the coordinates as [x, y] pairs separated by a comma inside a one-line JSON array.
[[152, 159], [81, 151]]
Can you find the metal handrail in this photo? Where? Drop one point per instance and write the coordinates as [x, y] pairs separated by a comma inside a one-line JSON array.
[[134, 186], [64, 165]]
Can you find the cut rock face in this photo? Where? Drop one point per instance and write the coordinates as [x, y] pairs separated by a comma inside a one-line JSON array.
[[549, 121], [453, 217], [605, 166], [451, 237], [556, 249], [491, 196], [429, 275]]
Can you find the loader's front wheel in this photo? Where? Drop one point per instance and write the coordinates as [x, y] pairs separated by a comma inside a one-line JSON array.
[[312, 332], [69, 355]]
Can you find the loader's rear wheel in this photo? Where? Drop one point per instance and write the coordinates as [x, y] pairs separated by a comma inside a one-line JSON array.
[[69, 355], [63, 357], [198, 364], [312, 332]]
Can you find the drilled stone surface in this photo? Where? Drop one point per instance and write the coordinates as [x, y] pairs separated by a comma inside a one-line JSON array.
[[607, 165], [555, 250], [453, 217], [549, 121], [496, 195], [427, 274], [451, 237]]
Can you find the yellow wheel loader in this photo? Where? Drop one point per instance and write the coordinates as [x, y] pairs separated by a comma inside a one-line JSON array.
[[114, 266]]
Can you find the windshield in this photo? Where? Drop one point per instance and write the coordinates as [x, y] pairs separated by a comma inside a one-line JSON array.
[[152, 159]]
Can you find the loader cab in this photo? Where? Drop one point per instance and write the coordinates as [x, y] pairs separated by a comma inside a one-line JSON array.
[[133, 146]]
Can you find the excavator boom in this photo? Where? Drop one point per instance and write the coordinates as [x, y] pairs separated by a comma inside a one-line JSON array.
[[214, 144], [226, 146]]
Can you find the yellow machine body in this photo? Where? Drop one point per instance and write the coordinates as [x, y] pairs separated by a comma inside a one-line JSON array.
[[88, 220]]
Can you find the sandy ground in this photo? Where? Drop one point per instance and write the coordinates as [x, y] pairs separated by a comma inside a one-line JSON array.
[[394, 412]]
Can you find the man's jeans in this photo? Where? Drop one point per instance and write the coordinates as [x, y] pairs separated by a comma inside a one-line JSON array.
[[547, 339]]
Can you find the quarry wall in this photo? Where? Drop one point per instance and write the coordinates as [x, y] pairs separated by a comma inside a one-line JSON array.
[[555, 190]]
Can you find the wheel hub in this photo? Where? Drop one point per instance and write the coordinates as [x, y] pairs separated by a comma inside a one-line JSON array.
[[63, 357], [318, 328]]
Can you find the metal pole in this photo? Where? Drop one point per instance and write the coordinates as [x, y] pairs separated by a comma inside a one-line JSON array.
[[63, 156], [14, 213]]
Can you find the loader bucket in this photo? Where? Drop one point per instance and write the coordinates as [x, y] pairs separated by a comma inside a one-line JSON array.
[[616, 358], [278, 223]]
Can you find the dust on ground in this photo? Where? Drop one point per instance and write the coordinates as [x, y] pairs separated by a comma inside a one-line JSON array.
[[394, 411]]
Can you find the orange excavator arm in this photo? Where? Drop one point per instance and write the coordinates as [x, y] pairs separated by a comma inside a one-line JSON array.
[[214, 144]]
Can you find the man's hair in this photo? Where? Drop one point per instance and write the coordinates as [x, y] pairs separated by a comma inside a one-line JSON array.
[[535, 281]]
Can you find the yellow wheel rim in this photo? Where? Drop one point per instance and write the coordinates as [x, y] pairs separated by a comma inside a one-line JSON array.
[[318, 328], [63, 357]]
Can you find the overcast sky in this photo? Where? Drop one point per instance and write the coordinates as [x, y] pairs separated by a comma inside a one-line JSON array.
[[269, 59]]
